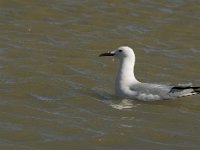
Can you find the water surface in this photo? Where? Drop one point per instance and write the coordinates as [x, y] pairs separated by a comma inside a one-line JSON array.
[[56, 93]]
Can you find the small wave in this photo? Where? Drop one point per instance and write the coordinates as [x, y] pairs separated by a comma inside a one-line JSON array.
[[125, 104], [44, 98]]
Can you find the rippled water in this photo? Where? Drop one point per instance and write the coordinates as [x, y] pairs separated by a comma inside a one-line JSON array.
[[57, 94]]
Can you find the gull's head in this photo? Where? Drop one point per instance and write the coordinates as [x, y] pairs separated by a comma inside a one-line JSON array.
[[121, 52]]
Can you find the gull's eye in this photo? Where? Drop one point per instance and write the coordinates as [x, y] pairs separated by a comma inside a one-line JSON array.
[[120, 50]]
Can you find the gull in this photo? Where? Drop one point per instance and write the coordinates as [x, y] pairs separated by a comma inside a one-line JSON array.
[[127, 86]]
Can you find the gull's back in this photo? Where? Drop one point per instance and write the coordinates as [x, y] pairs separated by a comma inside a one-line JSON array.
[[146, 91]]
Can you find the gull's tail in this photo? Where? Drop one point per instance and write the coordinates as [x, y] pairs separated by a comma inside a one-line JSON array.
[[181, 91]]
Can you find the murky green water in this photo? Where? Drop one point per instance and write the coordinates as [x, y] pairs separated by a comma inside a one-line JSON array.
[[55, 93]]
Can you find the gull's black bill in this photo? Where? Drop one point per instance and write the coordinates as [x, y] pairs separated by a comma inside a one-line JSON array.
[[107, 54]]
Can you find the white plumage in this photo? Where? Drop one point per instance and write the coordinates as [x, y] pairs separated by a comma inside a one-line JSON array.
[[127, 86]]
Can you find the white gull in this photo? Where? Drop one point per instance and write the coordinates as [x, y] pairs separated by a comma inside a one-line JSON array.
[[127, 86]]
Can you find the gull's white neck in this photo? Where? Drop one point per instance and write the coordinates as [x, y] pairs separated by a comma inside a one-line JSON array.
[[125, 75]]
